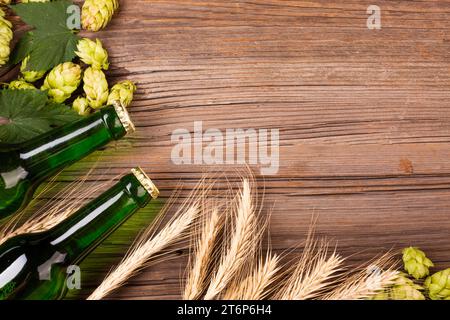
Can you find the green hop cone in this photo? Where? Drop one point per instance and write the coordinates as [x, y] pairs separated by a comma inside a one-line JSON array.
[[6, 36], [62, 80], [96, 14], [438, 285], [416, 263], [81, 105], [123, 92], [95, 87], [405, 289], [93, 53], [27, 75], [20, 84]]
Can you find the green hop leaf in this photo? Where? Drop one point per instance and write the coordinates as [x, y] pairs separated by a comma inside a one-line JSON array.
[[25, 114], [51, 42]]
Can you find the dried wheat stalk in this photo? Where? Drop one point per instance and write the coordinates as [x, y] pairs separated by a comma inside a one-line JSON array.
[[365, 283], [147, 247], [243, 244], [256, 286], [242, 274], [204, 248], [313, 273]]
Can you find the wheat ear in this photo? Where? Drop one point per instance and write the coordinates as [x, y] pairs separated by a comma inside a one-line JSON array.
[[204, 248], [313, 273], [243, 244], [257, 285], [146, 248], [365, 283]]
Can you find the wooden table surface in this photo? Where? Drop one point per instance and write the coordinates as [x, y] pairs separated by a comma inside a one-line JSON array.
[[363, 116]]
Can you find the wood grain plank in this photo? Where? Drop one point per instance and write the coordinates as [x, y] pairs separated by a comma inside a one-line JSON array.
[[363, 117]]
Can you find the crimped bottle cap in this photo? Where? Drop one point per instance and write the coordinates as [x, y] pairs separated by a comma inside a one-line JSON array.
[[124, 116], [146, 182]]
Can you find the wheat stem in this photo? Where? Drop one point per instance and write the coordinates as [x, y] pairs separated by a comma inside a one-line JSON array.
[[242, 245]]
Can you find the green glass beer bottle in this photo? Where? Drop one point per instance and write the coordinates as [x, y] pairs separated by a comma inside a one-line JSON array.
[[24, 166], [34, 266]]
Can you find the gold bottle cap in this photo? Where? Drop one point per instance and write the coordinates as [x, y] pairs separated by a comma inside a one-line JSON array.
[[124, 117], [146, 182]]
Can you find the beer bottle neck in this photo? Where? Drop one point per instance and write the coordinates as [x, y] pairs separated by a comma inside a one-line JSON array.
[[48, 153], [82, 232]]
